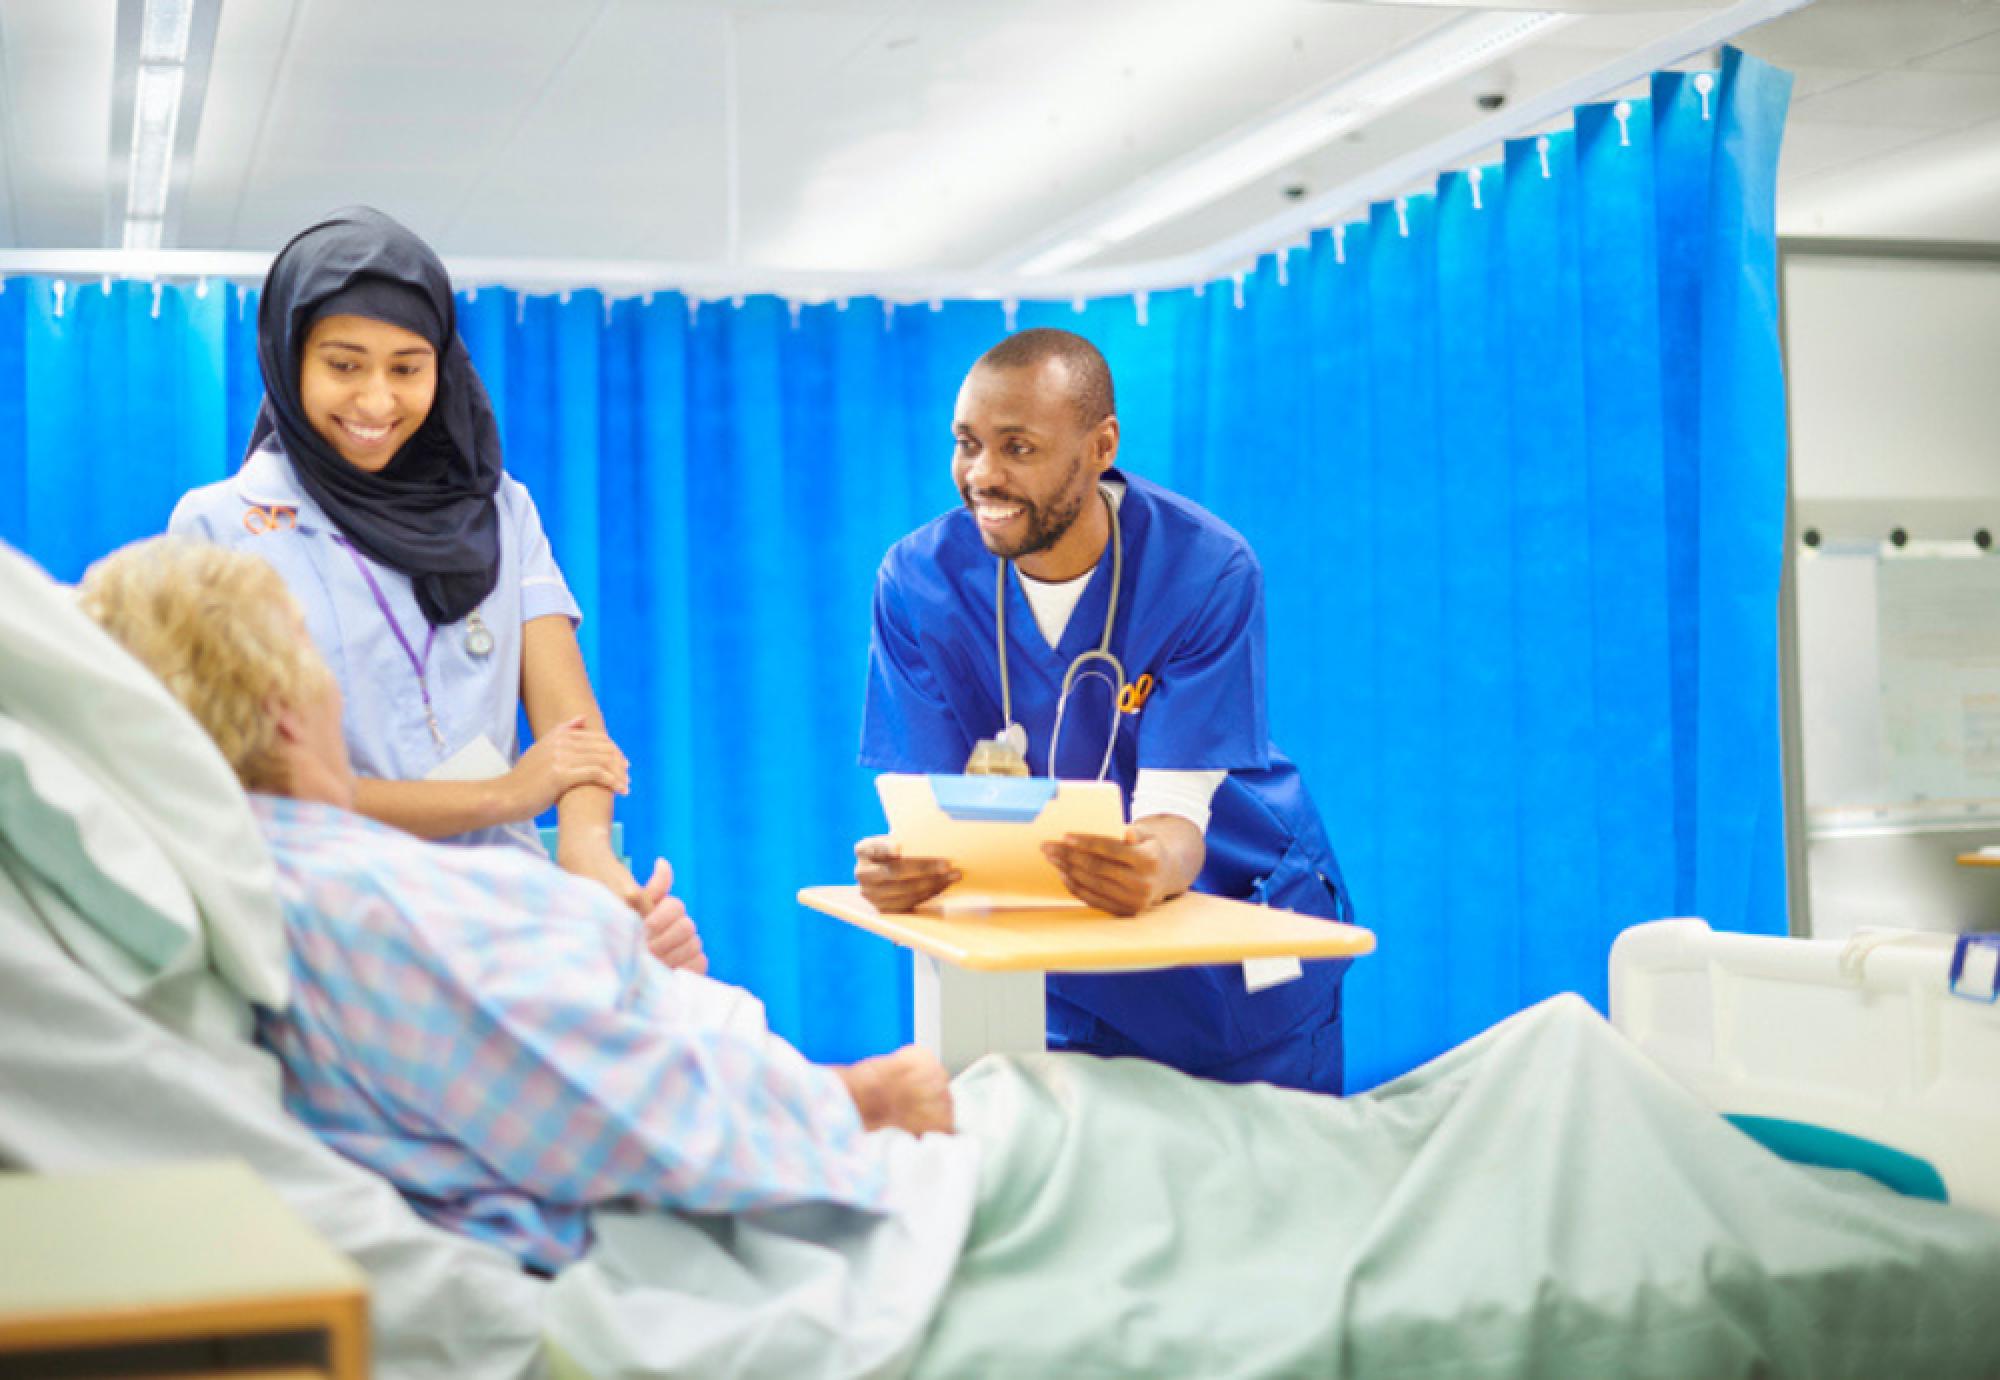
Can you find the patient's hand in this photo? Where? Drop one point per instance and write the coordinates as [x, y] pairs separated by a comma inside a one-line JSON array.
[[670, 934], [891, 882], [908, 1089]]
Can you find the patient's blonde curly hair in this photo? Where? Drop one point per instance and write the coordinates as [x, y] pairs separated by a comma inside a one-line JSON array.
[[220, 628]]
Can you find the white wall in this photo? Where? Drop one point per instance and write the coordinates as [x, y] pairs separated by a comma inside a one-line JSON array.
[[1893, 373], [1895, 377]]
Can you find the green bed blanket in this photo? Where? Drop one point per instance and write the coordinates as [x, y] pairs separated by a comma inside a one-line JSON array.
[[1540, 1201]]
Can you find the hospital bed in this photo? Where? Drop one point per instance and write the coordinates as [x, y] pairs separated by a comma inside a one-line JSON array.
[[1878, 1054], [1463, 1220]]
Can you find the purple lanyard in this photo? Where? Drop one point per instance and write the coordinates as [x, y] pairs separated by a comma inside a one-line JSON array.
[[418, 664]]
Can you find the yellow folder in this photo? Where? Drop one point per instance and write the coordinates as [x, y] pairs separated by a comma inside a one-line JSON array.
[[992, 828]]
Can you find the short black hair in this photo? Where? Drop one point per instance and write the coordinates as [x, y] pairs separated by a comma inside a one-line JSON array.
[[1089, 375]]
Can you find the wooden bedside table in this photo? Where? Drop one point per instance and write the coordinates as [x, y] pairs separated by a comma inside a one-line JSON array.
[[171, 1270], [979, 976]]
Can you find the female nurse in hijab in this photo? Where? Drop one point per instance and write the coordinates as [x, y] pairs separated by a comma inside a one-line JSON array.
[[373, 485]]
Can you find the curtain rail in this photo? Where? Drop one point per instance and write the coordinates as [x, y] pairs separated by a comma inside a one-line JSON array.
[[632, 277]]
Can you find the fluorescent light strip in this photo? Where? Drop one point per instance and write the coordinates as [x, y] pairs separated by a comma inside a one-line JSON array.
[[1460, 47], [156, 112], [164, 32]]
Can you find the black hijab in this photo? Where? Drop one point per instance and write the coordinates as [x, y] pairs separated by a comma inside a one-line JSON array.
[[429, 512]]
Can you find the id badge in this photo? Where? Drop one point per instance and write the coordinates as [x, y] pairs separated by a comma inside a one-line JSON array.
[[1260, 973], [478, 760]]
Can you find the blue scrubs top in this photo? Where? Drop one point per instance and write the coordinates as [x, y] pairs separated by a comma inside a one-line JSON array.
[[388, 734], [1190, 613]]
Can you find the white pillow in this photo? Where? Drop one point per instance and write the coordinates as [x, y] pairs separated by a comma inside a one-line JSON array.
[[64, 677], [117, 905]]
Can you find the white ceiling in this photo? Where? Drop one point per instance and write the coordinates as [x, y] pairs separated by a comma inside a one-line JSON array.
[[892, 135], [1895, 122]]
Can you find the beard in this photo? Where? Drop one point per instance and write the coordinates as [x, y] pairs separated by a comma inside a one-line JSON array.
[[1046, 524]]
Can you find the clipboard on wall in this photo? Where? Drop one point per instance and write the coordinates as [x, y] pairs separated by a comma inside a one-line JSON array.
[[993, 828]]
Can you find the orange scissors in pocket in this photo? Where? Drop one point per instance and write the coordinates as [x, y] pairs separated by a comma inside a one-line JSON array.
[[1133, 697]]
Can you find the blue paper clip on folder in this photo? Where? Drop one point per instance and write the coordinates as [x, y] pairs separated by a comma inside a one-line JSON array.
[[992, 828]]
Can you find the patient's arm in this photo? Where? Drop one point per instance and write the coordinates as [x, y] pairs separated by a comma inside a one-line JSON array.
[[639, 1104], [570, 755], [560, 1055]]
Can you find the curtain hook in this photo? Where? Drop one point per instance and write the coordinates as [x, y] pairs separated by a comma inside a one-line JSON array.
[[888, 315], [736, 301], [1473, 177], [472, 294], [156, 301], [1704, 82], [694, 309], [1403, 217], [201, 289], [1542, 151], [1139, 303], [520, 308], [562, 298], [1622, 112], [1076, 305], [1237, 279], [793, 308], [937, 305], [1340, 244], [1284, 258], [1012, 311]]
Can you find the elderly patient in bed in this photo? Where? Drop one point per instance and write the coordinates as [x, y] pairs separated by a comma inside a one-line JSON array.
[[492, 1036], [488, 1033]]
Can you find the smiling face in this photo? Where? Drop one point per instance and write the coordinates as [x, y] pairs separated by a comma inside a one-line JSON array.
[[1027, 465], [366, 387]]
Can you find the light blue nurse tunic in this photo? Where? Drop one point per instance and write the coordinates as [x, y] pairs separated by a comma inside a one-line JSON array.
[[264, 510]]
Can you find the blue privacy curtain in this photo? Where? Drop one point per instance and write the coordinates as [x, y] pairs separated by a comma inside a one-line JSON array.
[[1512, 454]]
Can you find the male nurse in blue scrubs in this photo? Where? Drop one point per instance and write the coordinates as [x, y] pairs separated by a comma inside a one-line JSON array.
[[1214, 805]]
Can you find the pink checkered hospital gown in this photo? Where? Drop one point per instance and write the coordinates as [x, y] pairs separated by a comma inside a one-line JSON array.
[[490, 1035]]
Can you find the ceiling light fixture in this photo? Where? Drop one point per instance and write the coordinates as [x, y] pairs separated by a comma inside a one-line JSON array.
[[1459, 47], [164, 32]]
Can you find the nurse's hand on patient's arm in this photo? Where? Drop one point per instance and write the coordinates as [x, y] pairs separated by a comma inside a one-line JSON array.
[[908, 1090], [891, 882], [1159, 857], [569, 755], [670, 934]]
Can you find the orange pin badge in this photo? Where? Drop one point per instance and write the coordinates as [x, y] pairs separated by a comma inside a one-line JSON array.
[[258, 521]]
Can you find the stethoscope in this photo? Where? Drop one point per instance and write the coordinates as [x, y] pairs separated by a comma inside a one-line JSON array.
[[1016, 737]]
